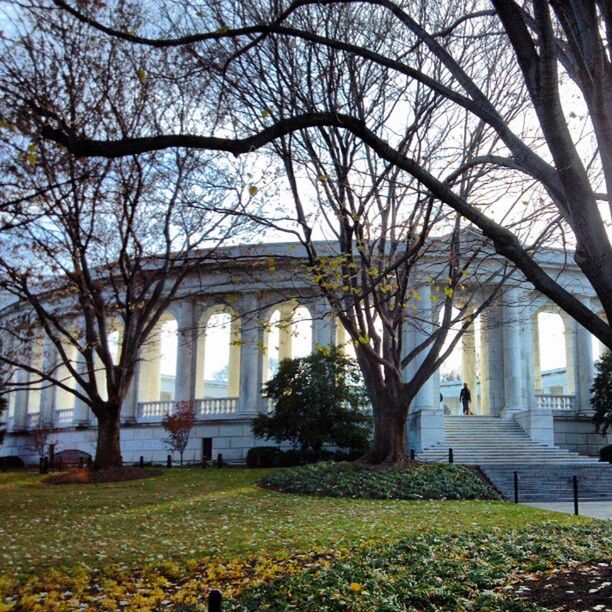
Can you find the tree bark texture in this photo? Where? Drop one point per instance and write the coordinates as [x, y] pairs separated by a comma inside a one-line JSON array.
[[108, 447], [389, 439]]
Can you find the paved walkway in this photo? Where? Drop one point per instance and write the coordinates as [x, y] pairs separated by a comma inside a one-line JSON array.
[[597, 509]]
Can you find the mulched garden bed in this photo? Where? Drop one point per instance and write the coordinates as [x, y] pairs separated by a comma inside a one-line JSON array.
[[582, 587], [91, 476]]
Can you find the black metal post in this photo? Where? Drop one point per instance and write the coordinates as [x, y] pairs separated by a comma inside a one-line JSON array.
[[220, 460], [575, 484], [81, 463], [215, 601], [169, 461], [412, 454], [45, 465], [516, 501], [141, 461], [451, 459], [89, 461]]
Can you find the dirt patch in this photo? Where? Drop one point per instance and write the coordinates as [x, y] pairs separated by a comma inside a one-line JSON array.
[[583, 587], [91, 476]]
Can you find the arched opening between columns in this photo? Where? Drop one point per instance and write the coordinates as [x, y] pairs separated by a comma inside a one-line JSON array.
[[287, 335], [553, 353], [218, 368], [465, 364], [157, 363]]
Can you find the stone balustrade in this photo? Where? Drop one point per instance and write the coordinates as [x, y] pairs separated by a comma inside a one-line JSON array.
[[64, 417], [32, 420], [156, 411], [216, 405], [565, 403]]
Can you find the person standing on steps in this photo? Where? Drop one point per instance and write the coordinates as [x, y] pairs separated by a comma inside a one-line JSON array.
[[465, 397]]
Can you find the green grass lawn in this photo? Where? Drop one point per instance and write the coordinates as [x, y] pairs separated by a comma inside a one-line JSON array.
[[187, 515]]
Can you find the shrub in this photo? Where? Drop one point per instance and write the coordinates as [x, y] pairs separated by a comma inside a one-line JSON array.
[[317, 401], [264, 456], [419, 481], [179, 426], [11, 462], [605, 454]]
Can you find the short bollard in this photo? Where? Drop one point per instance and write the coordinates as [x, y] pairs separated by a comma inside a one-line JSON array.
[[412, 454], [214, 601], [141, 461], [81, 464], [220, 460], [45, 465], [41, 466], [516, 488], [3, 465], [169, 461], [575, 485], [89, 461], [451, 459]]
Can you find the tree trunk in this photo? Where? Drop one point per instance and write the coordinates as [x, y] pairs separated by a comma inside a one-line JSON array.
[[389, 440], [108, 449]]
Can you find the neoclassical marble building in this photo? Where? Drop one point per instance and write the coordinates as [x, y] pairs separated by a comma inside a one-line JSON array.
[[267, 304]]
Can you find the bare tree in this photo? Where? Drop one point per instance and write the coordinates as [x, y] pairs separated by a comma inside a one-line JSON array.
[[386, 235], [94, 244], [560, 48], [41, 437]]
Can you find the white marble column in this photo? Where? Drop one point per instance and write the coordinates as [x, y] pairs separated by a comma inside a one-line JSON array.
[[186, 346], [570, 329], [323, 329], [285, 332], [436, 389], [512, 353], [251, 356], [342, 337], [426, 417], [129, 406], [233, 384], [80, 417], [537, 365], [584, 369], [528, 387], [484, 366], [468, 364], [149, 380], [48, 391], [424, 399], [21, 402]]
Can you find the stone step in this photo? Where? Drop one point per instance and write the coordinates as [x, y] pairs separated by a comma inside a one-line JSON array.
[[552, 483], [501, 447]]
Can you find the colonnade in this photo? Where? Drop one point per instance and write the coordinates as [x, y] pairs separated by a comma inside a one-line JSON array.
[[509, 370]]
